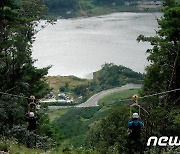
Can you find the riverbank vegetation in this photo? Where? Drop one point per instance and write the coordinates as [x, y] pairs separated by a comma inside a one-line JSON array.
[[87, 8]]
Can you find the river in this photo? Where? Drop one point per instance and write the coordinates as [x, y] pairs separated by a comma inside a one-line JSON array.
[[81, 46]]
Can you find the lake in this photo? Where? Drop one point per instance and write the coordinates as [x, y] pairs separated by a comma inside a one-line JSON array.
[[81, 46]]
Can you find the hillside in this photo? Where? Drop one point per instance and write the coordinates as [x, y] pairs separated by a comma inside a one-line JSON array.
[[70, 82], [87, 8], [75, 123], [109, 76]]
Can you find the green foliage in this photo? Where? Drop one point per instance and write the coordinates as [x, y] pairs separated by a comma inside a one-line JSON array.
[[60, 4], [119, 2], [34, 9], [80, 90], [11, 113], [45, 128], [174, 123], [76, 8], [164, 55], [18, 75], [114, 98], [12, 146], [74, 124], [44, 105], [109, 135], [31, 138], [64, 88], [163, 74], [165, 60], [53, 114], [109, 76], [112, 76]]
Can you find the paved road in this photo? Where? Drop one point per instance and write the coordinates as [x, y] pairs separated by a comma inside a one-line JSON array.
[[93, 101]]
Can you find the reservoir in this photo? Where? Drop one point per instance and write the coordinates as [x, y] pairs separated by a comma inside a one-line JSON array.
[[81, 46]]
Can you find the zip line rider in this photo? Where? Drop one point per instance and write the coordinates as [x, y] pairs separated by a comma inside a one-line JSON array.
[[134, 124], [32, 116], [31, 120]]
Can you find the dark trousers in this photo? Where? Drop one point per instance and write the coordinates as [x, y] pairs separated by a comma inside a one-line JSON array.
[[31, 139], [134, 144]]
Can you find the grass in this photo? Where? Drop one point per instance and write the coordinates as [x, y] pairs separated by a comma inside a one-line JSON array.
[[11, 146], [115, 97], [56, 114], [56, 82], [75, 123]]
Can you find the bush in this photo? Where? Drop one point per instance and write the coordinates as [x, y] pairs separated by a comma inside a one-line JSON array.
[[31, 138]]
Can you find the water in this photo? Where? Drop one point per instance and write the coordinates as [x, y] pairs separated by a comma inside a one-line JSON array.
[[80, 46]]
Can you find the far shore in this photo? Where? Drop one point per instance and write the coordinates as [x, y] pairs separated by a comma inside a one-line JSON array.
[[103, 10]]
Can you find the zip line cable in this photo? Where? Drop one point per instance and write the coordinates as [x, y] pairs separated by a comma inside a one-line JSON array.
[[4, 93], [160, 93], [146, 96], [13, 95]]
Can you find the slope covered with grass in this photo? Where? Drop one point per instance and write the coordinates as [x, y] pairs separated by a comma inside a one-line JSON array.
[[76, 122]]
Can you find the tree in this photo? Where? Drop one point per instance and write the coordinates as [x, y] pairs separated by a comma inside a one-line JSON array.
[[18, 75], [109, 135], [80, 90], [113, 75], [163, 73], [17, 29], [164, 56], [61, 4]]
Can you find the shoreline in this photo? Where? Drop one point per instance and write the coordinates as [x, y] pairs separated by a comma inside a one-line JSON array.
[[102, 10]]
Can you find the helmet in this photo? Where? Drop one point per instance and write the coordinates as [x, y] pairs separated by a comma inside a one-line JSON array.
[[32, 97], [31, 114], [135, 115]]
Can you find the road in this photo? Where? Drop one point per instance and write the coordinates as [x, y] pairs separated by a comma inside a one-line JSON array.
[[93, 101]]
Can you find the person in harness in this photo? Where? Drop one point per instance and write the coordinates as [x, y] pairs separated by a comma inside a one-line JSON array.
[[32, 116], [31, 119], [134, 126]]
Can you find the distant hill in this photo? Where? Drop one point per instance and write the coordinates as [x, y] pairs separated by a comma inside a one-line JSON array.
[[112, 75], [109, 76]]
